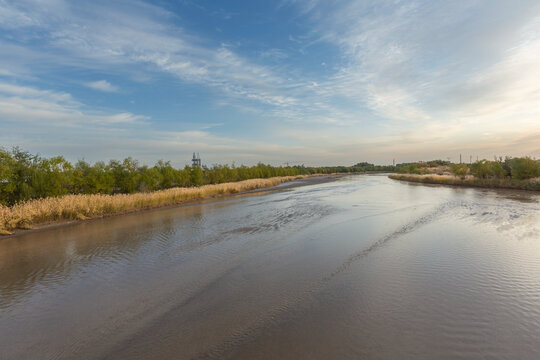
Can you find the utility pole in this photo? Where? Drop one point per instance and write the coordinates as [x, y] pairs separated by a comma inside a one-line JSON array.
[[470, 159], [393, 162], [460, 158]]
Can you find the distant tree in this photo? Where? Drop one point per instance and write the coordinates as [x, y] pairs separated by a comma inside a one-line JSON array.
[[196, 176], [460, 170], [525, 168], [26, 172], [435, 163], [8, 172], [410, 169], [148, 179], [53, 177], [497, 170], [481, 169], [168, 175]]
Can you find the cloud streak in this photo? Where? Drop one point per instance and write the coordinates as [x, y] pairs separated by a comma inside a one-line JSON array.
[[24, 106]]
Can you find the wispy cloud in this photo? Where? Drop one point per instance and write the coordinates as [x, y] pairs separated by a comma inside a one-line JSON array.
[[459, 68], [25, 105], [101, 85], [410, 77], [113, 34]]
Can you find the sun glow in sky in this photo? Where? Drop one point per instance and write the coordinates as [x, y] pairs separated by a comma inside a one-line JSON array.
[[314, 82]]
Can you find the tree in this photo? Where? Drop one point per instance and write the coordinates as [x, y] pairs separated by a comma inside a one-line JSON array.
[[25, 174], [525, 168], [196, 176], [8, 167], [460, 170], [481, 169], [149, 179], [497, 170], [410, 169], [169, 176], [126, 176]]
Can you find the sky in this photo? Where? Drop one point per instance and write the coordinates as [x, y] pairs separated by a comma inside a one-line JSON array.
[[309, 82]]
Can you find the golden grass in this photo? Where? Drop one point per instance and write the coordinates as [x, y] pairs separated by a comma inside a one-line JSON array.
[[81, 207], [471, 181]]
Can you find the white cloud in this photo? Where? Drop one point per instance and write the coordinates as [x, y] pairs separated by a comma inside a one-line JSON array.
[[437, 72], [108, 34], [411, 76], [102, 85], [25, 105]]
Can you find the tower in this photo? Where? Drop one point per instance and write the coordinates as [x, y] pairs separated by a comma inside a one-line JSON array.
[[196, 161]]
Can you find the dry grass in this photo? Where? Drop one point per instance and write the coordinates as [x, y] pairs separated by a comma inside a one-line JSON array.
[[469, 180], [81, 207], [439, 170]]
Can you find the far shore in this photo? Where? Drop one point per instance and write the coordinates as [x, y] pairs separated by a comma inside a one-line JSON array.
[[469, 181], [224, 191]]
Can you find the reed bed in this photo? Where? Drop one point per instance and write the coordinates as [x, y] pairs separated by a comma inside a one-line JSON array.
[[81, 207], [471, 181]]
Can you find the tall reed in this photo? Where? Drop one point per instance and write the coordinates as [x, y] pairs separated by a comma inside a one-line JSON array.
[[81, 207]]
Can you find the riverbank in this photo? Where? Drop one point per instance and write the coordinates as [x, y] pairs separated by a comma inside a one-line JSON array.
[[469, 181], [32, 213], [49, 213]]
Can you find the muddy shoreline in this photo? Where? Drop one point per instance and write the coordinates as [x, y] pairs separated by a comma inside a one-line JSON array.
[[311, 180]]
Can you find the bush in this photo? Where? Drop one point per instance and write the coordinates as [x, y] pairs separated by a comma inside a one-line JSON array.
[[485, 169], [524, 168], [497, 170], [460, 170], [410, 169]]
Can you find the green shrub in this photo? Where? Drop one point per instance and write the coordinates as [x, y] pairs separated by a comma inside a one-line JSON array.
[[525, 168], [460, 170], [481, 169], [497, 170], [410, 169], [485, 169]]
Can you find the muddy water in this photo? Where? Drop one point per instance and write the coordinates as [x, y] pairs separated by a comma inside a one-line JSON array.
[[360, 268]]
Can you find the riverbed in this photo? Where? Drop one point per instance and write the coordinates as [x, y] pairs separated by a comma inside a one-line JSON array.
[[363, 267]]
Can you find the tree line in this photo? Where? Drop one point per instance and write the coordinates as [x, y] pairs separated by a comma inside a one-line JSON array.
[[25, 176], [519, 168]]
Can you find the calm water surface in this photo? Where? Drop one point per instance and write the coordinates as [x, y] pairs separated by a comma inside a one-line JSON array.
[[361, 268]]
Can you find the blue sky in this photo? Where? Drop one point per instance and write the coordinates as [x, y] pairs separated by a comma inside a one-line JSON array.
[[313, 82]]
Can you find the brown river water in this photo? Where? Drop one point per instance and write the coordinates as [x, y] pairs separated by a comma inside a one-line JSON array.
[[363, 267]]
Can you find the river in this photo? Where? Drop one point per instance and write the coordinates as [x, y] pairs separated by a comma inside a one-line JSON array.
[[363, 267]]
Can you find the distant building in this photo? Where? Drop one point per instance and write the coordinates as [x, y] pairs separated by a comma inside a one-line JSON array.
[[196, 160]]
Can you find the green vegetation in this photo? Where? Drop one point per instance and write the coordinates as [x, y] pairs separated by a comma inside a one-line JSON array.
[[24, 176], [409, 169], [515, 168], [515, 173], [523, 168], [85, 206], [460, 170]]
